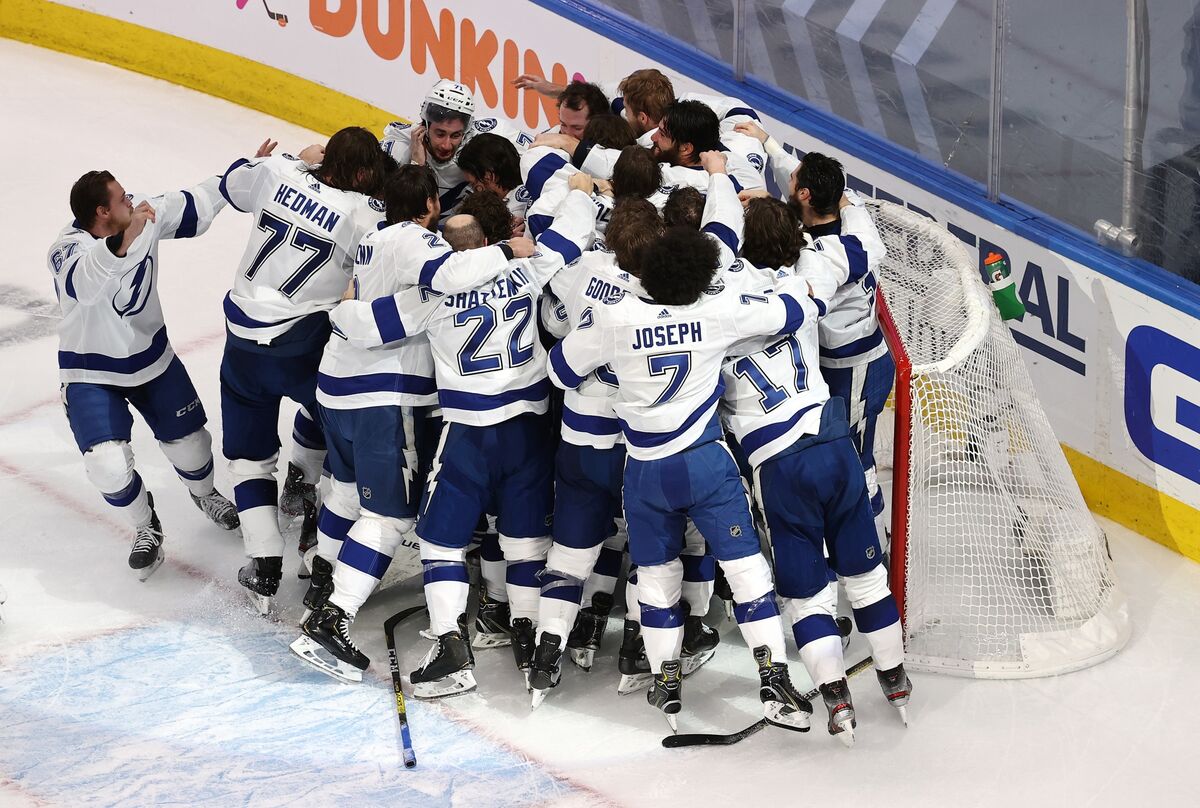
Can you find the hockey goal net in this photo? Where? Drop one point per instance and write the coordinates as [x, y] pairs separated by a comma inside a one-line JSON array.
[[998, 566]]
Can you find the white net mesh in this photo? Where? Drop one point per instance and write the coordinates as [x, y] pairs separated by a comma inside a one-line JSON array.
[[1007, 574]]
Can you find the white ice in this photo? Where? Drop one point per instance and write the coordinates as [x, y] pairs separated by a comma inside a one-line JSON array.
[[117, 692]]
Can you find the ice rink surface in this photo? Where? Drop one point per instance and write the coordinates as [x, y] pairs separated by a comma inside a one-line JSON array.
[[114, 692]]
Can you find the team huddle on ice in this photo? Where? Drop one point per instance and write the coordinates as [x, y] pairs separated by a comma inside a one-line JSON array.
[[422, 297]]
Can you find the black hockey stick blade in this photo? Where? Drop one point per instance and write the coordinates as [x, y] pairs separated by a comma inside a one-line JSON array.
[[279, 18], [389, 627], [712, 739]]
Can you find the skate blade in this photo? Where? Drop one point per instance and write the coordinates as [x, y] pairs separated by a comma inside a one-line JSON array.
[[846, 734], [728, 609], [797, 721], [264, 605], [672, 722], [691, 664], [484, 640], [537, 698], [633, 682], [311, 652], [583, 657], [456, 684], [145, 572], [427, 634], [900, 708]]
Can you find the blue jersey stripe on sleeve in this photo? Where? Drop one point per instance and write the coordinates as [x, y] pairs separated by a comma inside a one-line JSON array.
[[190, 220], [795, 314], [387, 319], [856, 257], [561, 245], [431, 267], [543, 170], [224, 189], [749, 113], [724, 233], [562, 369], [538, 223]]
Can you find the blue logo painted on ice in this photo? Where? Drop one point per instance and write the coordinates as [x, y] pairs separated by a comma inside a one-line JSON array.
[[1162, 399]]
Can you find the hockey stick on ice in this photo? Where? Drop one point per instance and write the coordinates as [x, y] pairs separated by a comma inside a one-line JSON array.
[[717, 739], [389, 629], [279, 18]]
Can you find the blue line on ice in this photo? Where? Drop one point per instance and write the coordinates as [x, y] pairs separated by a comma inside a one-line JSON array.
[[199, 713]]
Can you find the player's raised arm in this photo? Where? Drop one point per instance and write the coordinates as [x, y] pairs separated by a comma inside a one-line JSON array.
[[783, 164], [189, 213], [571, 231], [723, 218]]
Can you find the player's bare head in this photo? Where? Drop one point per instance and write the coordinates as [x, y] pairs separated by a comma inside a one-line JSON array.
[[577, 104], [819, 183], [353, 161], [462, 232], [99, 202], [411, 194], [684, 208], [647, 94], [633, 227], [687, 129], [490, 163], [773, 237], [491, 212], [636, 173], [608, 130], [678, 267]]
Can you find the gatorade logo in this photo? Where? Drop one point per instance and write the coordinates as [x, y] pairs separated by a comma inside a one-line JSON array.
[[1162, 399]]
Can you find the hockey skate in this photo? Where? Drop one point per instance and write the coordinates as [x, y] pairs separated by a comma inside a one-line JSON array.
[[632, 662], [492, 627], [326, 645], [699, 644], [219, 510], [146, 554], [723, 591], [446, 668], [897, 687], [547, 667], [296, 492], [261, 579], [308, 538], [666, 692], [586, 634], [841, 711], [320, 585], [522, 645], [783, 705], [845, 627]]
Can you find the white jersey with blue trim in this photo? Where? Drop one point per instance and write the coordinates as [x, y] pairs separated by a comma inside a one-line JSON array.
[[112, 329], [387, 262], [599, 162], [489, 363], [774, 391], [300, 256], [452, 183]]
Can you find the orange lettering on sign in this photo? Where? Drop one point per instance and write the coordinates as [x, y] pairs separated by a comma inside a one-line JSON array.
[[512, 69], [533, 99], [475, 61], [387, 44], [427, 42], [334, 23]]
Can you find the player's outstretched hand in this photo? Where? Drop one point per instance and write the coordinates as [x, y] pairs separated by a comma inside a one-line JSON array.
[[532, 81], [713, 162], [313, 155], [522, 247], [417, 153], [746, 196], [266, 148], [753, 130], [581, 182], [557, 140]]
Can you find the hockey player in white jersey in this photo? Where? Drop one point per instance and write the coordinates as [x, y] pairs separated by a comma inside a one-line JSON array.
[[308, 221], [808, 483], [446, 123], [578, 101], [666, 350], [492, 163], [114, 350], [371, 401], [493, 391]]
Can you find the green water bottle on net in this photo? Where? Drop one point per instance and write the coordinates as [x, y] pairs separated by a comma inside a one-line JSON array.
[[1004, 290]]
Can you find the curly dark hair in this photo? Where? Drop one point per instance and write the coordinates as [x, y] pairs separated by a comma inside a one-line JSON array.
[[610, 131], [678, 267], [488, 152], [636, 173], [773, 236], [353, 161], [580, 94], [408, 191], [492, 214], [825, 180], [633, 226], [684, 208]]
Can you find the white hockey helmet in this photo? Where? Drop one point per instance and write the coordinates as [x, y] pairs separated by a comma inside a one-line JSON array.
[[451, 96]]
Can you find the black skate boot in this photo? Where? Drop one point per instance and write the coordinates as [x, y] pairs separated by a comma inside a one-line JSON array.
[[446, 668], [308, 537], [547, 667], [328, 630], [320, 584], [631, 660], [841, 711], [586, 634], [296, 492], [522, 645], [146, 554], [699, 644], [492, 626], [261, 579], [218, 509], [845, 626], [723, 591], [897, 687], [783, 705], [666, 692]]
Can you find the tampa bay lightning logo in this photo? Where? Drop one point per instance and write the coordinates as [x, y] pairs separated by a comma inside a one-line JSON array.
[[376, 205], [523, 195], [136, 286], [585, 320], [485, 124], [716, 288], [736, 266], [756, 160], [287, 156]]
